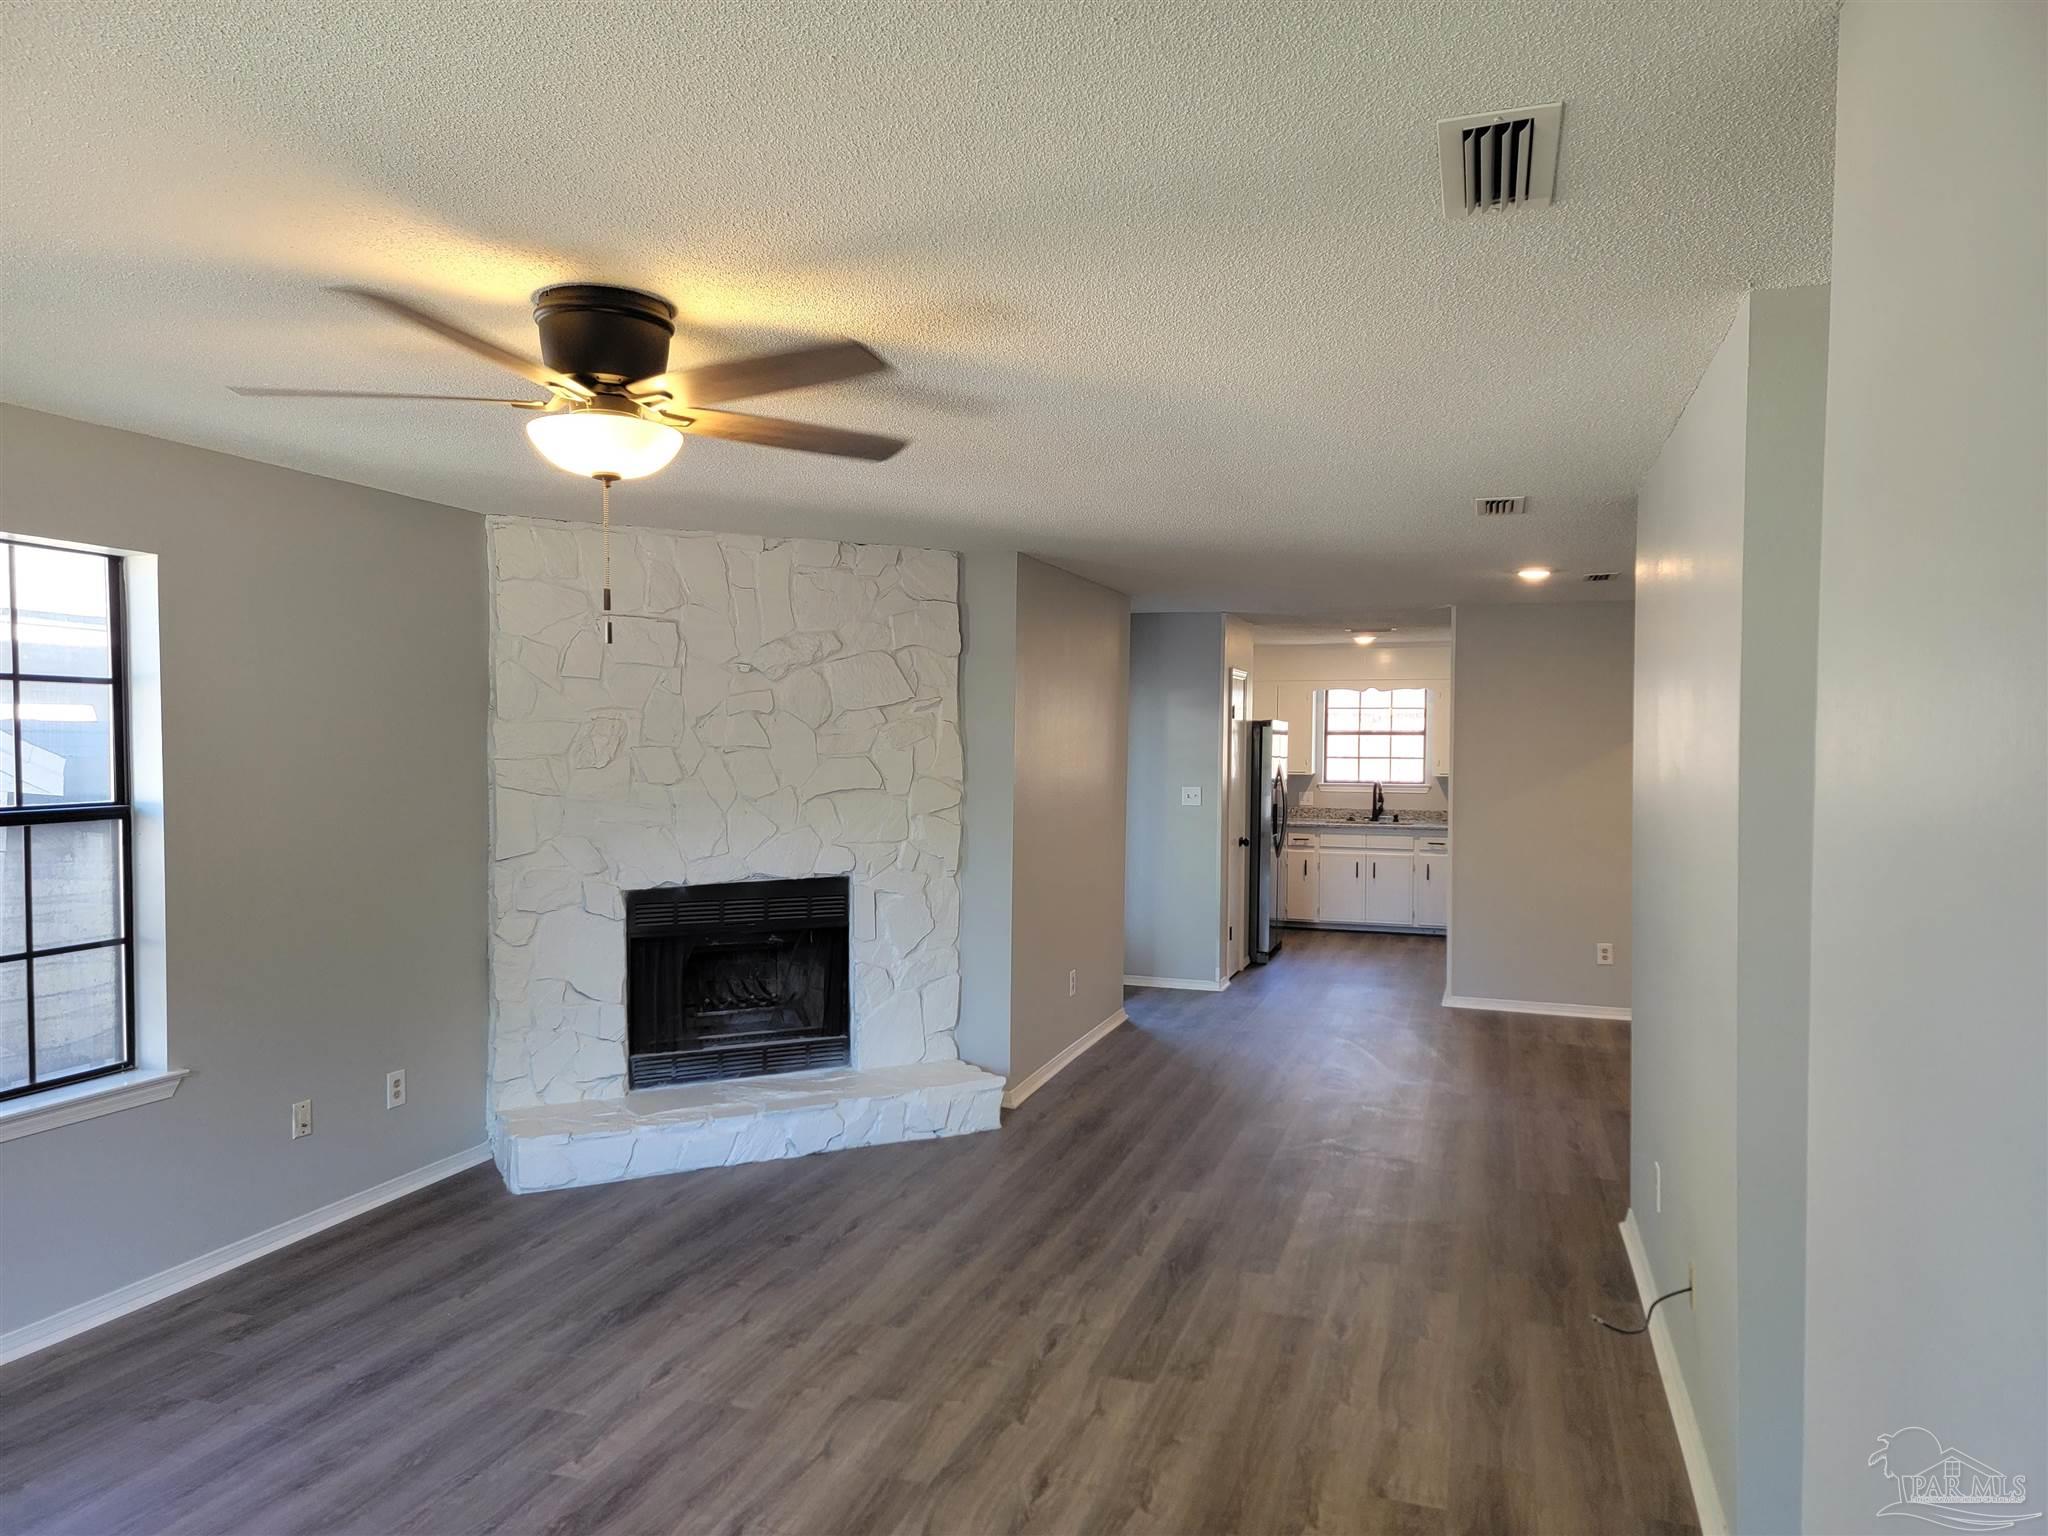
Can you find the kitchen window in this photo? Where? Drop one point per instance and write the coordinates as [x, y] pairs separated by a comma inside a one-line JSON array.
[[1375, 735], [67, 979]]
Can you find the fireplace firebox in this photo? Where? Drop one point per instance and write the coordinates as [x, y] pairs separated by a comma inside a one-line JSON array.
[[736, 980]]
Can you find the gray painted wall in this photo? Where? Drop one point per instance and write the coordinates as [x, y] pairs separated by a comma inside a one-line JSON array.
[[1172, 875], [1927, 1209], [1067, 908], [323, 717], [988, 736], [1727, 550], [1540, 803]]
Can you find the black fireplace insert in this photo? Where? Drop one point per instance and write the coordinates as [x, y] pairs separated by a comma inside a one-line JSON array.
[[736, 980]]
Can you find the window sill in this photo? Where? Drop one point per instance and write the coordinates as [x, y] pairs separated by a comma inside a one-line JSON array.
[[86, 1101]]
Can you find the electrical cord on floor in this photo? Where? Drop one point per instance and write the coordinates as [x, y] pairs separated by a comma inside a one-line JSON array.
[[1686, 1291]]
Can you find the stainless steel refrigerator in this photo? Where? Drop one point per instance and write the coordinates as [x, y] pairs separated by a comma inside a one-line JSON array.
[[1266, 781]]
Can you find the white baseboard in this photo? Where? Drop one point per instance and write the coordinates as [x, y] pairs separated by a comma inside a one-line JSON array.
[[1706, 1498], [1554, 1010], [1181, 983], [1027, 1086], [57, 1327]]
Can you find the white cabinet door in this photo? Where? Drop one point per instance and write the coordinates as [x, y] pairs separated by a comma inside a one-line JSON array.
[[1292, 703], [1432, 890], [1389, 897], [1342, 885], [1299, 881]]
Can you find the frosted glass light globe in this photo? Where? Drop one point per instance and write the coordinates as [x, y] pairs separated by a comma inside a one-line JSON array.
[[608, 445]]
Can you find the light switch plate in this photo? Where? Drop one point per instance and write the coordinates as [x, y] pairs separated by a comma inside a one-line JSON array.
[[1191, 794]]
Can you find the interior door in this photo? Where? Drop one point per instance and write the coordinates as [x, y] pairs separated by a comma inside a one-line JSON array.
[[1236, 814]]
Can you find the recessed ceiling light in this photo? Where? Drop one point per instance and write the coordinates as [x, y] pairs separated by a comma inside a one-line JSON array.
[[1363, 639], [1534, 573]]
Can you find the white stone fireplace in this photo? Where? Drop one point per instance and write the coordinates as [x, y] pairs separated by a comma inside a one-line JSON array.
[[763, 709]]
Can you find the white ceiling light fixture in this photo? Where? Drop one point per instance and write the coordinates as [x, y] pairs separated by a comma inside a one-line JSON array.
[[1535, 575], [604, 444], [1363, 639]]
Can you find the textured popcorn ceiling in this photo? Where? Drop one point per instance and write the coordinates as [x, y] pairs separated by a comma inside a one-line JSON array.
[[1168, 285]]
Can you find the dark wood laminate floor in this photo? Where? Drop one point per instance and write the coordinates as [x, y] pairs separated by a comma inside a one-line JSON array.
[[1307, 1255]]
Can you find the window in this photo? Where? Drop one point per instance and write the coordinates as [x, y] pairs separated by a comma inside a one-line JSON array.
[[66, 971], [1375, 735]]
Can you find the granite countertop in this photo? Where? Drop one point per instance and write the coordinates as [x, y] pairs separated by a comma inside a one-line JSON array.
[[1303, 817]]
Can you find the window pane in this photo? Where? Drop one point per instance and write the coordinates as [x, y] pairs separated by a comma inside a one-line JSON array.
[[78, 1011], [77, 883], [1404, 747], [1343, 698], [7, 796], [1401, 772], [1343, 720], [14, 1024], [12, 934], [1408, 719], [62, 618], [1410, 698], [67, 742], [1375, 746], [1375, 719], [1341, 771], [1372, 770]]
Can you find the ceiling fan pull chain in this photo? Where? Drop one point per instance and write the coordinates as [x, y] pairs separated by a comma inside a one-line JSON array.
[[606, 482]]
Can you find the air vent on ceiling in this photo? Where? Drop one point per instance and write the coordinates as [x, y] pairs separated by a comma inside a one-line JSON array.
[[1498, 160], [1600, 576], [1499, 506]]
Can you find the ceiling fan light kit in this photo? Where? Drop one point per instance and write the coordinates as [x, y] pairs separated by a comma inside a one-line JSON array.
[[604, 441]]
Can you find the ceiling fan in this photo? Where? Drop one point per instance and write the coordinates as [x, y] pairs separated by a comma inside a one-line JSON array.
[[614, 410]]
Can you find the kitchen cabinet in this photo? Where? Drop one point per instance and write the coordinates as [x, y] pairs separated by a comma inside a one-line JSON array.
[[1432, 888], [1295, 703], [1298, 891], [1389, 888], [1340, 888]]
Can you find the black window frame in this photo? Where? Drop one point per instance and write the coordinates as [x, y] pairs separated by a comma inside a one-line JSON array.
[[119, 810]]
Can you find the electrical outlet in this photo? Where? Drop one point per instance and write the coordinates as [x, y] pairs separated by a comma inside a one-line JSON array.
[[1657, 1169], [394, 1088], [302, 1118], [1073, 983], [1603, 954], [1191, 794]]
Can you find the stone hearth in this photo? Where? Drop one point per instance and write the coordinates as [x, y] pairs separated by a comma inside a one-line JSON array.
[[766, 708], [750, 1120]]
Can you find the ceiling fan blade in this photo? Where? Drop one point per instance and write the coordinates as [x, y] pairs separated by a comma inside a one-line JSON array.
[[490, 351], [774, 432], [378, 394], [766, 375]]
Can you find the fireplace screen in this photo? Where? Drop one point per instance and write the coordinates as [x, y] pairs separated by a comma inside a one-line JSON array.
[[736, 980]]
